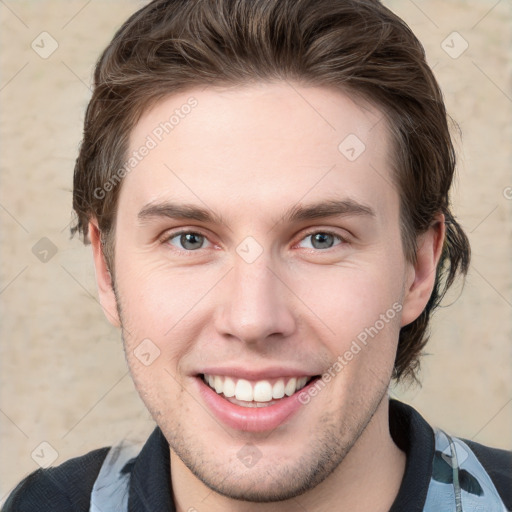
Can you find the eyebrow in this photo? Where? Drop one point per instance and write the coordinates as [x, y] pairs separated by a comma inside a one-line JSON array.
[[297, 213], [330, 208], [179, 211]]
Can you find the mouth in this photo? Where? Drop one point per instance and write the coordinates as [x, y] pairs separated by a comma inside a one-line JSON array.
[[253, 405], [261, 393]]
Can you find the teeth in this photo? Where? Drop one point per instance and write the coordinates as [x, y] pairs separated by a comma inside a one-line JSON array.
[[278, 389], [218, 384], [262, 391], [301, 382], [251, 404], [290, 387], [259, 392], [243, 390], [229, 387]]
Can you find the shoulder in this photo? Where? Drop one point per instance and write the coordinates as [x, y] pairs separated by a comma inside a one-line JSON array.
[[478, 475], [63, 488], [498, 465]]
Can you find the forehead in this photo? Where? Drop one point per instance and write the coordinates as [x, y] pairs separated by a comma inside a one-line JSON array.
[[266, 144]]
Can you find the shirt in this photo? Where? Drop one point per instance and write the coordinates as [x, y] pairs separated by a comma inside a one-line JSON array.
[[442, 474]]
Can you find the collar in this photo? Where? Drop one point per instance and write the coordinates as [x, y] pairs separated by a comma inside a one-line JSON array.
[[413, 435]]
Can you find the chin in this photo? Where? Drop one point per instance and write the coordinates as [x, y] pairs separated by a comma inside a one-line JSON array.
[[261, 486], [273, 477]]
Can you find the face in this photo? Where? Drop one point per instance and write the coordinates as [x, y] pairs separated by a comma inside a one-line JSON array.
[[261, 281]]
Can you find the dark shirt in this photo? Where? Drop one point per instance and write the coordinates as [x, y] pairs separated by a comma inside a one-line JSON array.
[[68, 487]]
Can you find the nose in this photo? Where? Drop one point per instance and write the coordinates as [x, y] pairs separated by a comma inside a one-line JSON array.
[[255, 304]]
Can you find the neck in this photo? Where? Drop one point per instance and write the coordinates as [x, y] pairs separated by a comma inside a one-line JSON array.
[[368, 479]]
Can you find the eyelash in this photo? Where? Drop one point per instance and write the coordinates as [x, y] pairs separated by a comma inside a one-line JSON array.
[[170, 236]]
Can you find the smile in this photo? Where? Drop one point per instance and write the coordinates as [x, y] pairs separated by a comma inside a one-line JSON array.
[[261, 393], [253, 405]]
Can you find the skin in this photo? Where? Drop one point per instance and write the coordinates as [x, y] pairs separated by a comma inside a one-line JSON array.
[[249, 154]]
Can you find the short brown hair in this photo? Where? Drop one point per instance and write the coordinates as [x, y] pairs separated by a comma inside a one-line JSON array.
[[358, 46]]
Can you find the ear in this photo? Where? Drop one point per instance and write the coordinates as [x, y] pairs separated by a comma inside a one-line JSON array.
[[103, 277], [421, 275]]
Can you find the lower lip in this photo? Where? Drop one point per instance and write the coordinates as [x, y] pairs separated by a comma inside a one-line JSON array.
[[251, 419]]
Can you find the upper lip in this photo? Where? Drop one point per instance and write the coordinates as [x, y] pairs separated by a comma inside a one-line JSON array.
[[256, 374]]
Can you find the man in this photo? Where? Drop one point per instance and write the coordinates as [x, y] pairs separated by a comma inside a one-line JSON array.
[[265, 185]]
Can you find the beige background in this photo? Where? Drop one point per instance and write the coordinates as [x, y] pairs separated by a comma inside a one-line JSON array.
[[63, 376]]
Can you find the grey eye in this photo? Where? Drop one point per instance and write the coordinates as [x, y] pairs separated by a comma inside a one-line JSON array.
[[188, 241], [321, 240]]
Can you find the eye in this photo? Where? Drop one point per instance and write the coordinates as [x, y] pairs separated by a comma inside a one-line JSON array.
[[320, 240], [188, 240]]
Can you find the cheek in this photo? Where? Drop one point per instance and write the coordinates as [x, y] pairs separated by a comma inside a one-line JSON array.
[[157, 316], [162, 304], [349, 299], [359, 313]]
